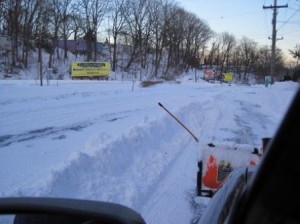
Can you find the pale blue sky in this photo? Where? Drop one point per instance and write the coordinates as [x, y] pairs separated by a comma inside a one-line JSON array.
[[248, 18]]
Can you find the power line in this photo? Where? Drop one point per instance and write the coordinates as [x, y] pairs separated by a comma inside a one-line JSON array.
[[288, 20]]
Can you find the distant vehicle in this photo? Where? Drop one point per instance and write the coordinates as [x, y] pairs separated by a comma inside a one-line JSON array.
[[90, 70]]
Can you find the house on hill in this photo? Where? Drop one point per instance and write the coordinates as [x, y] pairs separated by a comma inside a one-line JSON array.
[[79, 46], [5, 43]]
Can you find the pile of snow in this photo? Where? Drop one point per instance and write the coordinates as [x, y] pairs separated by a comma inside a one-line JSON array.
[[108, 141]]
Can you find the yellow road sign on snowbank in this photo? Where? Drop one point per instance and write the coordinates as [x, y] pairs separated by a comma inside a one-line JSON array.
[[90, 69], [228, 77]]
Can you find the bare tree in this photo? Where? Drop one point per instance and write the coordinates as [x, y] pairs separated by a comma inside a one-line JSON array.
[[262, 64], [76, 24], [3, 15], [95, 11], [296, 53], [174, 37], [13, 20], [249, 54], [66, 20], [296, 70], [136, 17], [41, 32], [61, 25], [30, 9], [147, 34], [118, 23], [196, 36], [228, 43], [213, 55], [237, 60], [157, 16]]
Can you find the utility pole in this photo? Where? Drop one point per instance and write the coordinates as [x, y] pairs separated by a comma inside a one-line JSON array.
[[274, 33]]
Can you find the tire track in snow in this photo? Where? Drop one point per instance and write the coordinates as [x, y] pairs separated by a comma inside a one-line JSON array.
[[241, 116], [170, 201], [6, 140], [249, 113]]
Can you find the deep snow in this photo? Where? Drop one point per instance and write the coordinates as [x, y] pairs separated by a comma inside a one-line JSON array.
[[110, 141]]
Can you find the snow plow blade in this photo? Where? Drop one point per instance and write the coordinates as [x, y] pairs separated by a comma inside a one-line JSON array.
[[218, 160]]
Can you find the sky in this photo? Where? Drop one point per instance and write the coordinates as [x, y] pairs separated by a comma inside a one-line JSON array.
[[248, 18], [111, 141]]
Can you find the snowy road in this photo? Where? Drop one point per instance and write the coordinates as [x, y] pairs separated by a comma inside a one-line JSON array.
[[112, 142]]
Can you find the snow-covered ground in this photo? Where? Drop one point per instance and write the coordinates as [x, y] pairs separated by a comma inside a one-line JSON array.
[[110, 141]]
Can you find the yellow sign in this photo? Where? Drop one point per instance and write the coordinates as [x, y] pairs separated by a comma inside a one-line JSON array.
[[90, 69], [228, 77]]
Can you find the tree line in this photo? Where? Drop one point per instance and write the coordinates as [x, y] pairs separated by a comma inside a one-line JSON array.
[[159, 36]]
